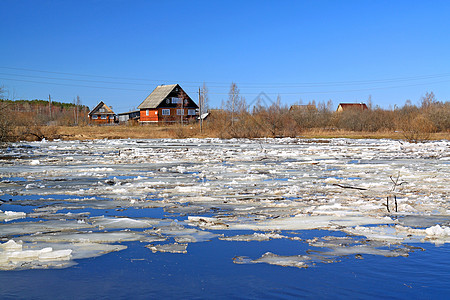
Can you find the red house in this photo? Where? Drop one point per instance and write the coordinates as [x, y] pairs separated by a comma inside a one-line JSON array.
[[168, 103], [102, 114], [351, 106]]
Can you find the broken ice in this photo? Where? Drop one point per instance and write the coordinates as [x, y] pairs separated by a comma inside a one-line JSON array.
[[93, 197]]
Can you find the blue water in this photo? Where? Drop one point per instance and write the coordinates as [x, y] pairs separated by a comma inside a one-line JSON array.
[[207, 271]]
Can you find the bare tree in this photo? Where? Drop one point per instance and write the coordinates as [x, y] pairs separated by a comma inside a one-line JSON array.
[[427, 101], [6, 120], [204, 99], [235, 104], [369, 102]]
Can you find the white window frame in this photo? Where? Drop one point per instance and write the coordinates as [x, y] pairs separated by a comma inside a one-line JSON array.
[[147, 112], [103, 117], [191, 112], [176, 100], [180, 111], [94, 117], [165, 112]]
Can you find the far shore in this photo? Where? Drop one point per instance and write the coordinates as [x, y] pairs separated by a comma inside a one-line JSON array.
[[193, 131]]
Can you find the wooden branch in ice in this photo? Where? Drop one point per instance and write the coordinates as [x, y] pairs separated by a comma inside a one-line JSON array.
[[349, 187]]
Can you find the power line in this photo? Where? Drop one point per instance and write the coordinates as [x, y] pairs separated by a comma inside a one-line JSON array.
[[246, 85], [273, 93]]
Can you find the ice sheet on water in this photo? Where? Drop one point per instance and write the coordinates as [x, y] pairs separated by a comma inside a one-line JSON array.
[[424, 220], [182, 234], [402, 234], [298, 261], [253, 237], [37, 255], [11, 215], [109, 223], [297, 222], [23, 228], [86, 237], [170, 248], [256, 185], [332, 248], [12, 255]]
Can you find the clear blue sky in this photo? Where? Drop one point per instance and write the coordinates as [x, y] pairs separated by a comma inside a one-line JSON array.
[[118, 51]]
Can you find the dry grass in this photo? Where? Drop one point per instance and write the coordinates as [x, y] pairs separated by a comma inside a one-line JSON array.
[[155, 131], [125, 132]]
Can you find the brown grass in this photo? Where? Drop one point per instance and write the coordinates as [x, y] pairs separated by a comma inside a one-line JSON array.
[[174, 131]]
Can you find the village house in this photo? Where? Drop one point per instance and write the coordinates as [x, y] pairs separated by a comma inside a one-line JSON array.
[[303, 108], [168, 103], [351, 106], [102, 114], [131, 116]]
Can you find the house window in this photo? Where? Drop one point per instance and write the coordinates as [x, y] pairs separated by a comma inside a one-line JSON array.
[[180, 112], [191, 112], [103, 117], [176, 100], [94, 117], [168, 101], [147, 112], [165, 112], [102, 110]]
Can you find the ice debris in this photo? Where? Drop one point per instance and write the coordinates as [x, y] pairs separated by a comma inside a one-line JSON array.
[[171, 248], [11, 215], [13, 256]]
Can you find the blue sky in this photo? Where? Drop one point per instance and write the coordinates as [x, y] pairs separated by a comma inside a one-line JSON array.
[[119, 51]]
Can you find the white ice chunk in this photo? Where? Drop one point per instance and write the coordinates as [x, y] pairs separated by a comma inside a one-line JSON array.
[[171, 248], [11, 215], [438, 231], [253, 237]]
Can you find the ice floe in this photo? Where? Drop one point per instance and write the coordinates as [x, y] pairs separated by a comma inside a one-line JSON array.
[[94, 197]]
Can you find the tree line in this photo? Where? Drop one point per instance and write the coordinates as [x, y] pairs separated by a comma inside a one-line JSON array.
[[38, 119], [236, 119]]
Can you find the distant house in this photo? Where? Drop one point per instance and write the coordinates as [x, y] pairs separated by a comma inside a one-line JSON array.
[[167, 103], [351, 106], [129, 116], [302, 108], [102, 114]]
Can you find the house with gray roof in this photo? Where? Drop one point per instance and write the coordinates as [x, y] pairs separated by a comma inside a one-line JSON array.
[[102, 114], [168, 103]]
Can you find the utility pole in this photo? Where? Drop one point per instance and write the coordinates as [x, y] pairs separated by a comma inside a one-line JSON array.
[[50, 106], [182, 108], [200, 98]]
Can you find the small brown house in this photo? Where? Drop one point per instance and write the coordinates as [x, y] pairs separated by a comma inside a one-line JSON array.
[[102, 114], [351, 106], [168, 103]]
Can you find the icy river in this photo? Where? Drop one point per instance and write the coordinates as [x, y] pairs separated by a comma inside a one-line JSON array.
[[211, 218]]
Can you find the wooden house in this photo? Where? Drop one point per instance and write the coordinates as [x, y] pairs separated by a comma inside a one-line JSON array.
[[168, 103], [303, 108], [131, 116], [102, 114], [351, 106]]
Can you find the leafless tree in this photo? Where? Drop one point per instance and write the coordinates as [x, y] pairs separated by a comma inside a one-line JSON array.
[[428, 100], [6, 121], [204, 99]]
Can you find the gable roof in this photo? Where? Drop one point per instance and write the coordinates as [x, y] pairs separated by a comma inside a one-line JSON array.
[[344, 106], [100, 105], [299, 107], [157, 96]]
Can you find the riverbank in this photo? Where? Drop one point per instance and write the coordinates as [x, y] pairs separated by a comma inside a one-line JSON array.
[[155, 132]]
